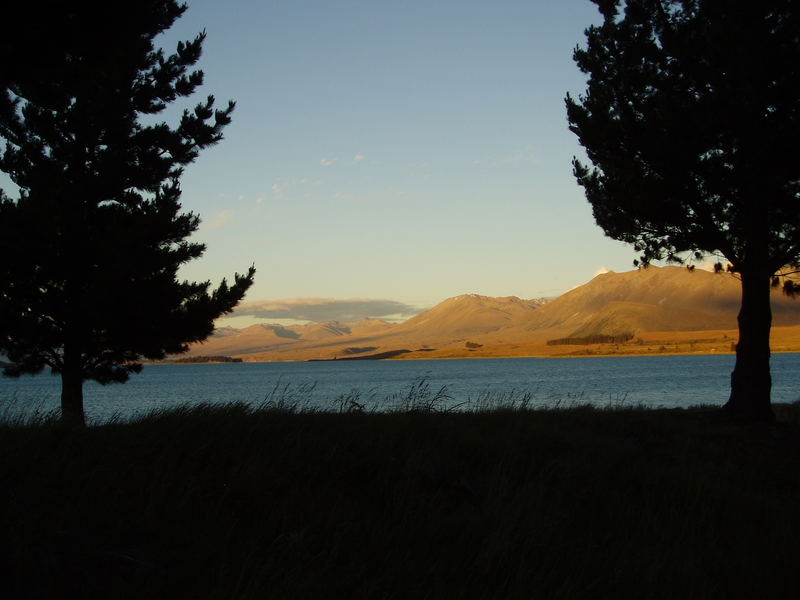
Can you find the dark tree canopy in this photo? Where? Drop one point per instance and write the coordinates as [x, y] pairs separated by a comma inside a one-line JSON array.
[[690, 120], [92, 245]]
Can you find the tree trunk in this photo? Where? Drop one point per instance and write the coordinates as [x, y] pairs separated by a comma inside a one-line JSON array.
[[751, 381], [72, 392]]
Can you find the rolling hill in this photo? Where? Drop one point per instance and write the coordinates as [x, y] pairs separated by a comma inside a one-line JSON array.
[[669, 300], [653, 299]]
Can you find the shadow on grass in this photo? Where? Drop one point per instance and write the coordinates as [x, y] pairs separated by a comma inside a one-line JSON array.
[[275, 502]]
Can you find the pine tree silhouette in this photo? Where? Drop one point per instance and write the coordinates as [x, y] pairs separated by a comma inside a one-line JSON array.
[[92, 243], [690, 119]]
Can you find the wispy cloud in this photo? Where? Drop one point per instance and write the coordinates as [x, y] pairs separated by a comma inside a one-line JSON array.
[[511, 161], [324, 309], [292, 187], [327, 162], [215, 222], [345, 196]]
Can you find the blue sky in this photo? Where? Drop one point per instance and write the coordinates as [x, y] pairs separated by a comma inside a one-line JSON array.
[[407, 151]]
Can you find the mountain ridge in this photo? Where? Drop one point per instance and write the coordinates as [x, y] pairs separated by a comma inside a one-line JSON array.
[[632, 303]]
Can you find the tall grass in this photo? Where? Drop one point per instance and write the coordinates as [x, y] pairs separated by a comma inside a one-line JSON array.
[[420, 396], [421, 501], [21, 412]]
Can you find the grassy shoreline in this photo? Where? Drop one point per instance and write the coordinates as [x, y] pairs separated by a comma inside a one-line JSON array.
[[412, 357], [232, 502], [651, 343]]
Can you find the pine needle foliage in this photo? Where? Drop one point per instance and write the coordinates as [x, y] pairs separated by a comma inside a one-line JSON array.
[[93, 241], [690, 120]]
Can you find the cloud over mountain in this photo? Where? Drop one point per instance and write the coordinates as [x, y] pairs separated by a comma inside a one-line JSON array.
[[663, 309], [325, 309]]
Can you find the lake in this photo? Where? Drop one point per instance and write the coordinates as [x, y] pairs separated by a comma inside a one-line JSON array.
[[654, 381]]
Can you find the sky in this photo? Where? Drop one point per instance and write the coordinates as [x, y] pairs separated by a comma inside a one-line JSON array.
[[387, 155]]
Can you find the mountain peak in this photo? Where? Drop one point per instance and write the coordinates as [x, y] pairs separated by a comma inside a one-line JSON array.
[[656, 299]]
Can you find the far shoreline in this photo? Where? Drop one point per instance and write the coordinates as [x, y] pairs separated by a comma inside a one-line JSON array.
[[437, 358], [784, 340]]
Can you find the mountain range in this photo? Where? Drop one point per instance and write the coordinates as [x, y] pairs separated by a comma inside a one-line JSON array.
[[646, 310]]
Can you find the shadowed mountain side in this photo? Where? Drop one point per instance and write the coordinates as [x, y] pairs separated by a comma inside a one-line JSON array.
[[273, 337], [333, 329], [256, 338], [632, 317], [451, 321], [668, 299], [225, 332], [320, 331], [370, 326], [456, 321], [654, 299], [471, 314]]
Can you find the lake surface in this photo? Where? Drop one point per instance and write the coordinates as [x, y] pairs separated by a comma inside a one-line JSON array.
[[665, 381]]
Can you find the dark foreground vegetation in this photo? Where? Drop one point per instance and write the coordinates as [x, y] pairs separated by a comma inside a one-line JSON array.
[[228, 502]]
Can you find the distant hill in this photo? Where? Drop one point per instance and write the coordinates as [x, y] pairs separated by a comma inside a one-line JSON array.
[[470, 315], [667, 299], [654, 299], [449, 322], [271, 337]]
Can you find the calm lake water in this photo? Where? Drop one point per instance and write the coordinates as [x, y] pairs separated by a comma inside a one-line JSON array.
[[667, 381]]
